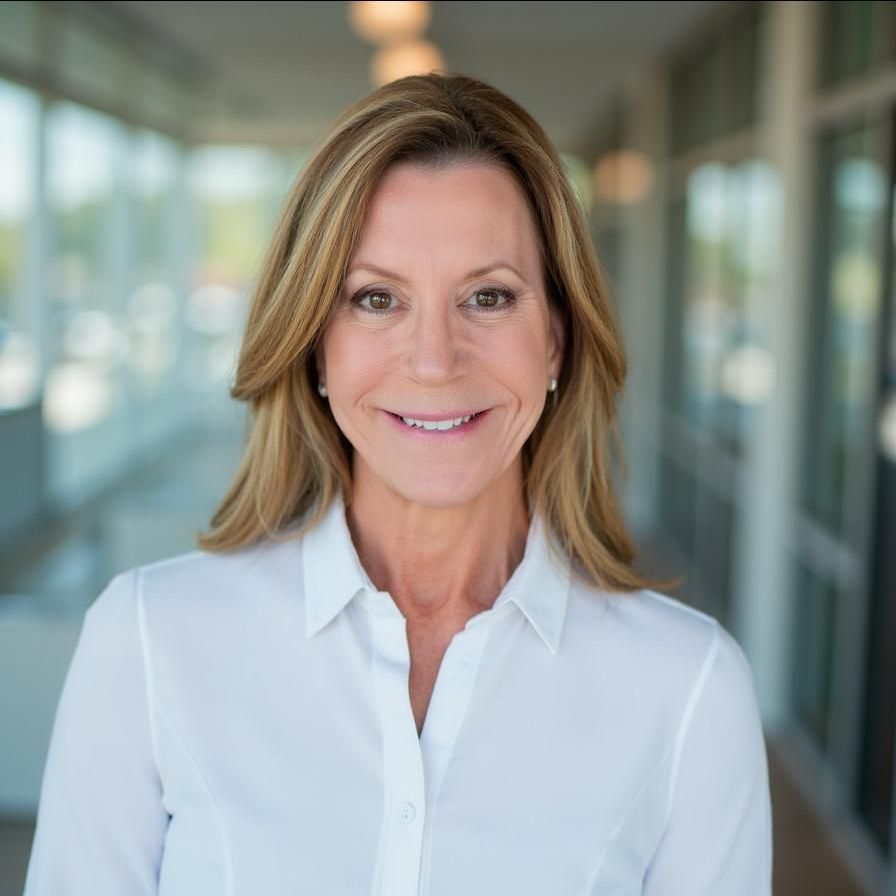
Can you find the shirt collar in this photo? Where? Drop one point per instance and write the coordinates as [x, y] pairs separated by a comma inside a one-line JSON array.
[[333, 575]]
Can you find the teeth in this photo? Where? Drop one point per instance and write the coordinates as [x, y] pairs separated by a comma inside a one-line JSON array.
[[437, 424]]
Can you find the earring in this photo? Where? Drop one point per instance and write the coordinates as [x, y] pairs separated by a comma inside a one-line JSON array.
[[322, 389], [553, 385]]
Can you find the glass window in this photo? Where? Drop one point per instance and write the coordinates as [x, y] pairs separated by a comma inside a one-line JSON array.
[[676, 221], [678, 495], [19, 354], [847, 317], [718, 369], [715, 554], [878, 733], [155, 289], [86, 383], [706, 301], [152, 302], [744, 368], [236, 193], [815, 607], [726, 369]]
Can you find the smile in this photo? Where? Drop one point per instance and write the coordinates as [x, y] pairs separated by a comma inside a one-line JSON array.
[[438, 424], [439, 429]]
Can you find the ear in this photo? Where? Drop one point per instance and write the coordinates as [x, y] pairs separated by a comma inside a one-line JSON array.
[[557, 340]]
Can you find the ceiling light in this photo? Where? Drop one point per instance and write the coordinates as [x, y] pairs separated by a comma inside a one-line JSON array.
[[383, 22], [623, 176]]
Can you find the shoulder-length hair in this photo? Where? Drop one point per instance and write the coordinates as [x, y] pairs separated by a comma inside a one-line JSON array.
[[296, 459]]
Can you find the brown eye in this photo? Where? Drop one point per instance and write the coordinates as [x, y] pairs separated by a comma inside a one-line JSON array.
[[494, 296], [379, 301]]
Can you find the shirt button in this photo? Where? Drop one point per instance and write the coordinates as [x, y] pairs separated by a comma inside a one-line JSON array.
[[406, 813]]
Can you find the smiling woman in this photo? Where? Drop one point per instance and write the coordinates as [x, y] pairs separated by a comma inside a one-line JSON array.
[[430, 351], [412, 655], [434, 193]]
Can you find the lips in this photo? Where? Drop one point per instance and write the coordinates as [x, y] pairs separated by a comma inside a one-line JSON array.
[[451, 433], [434, 418]]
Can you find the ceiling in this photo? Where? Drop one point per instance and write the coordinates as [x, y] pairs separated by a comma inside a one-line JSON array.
[[280, 73]]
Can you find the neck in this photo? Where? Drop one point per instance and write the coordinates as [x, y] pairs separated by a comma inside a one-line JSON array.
[[441, 565]]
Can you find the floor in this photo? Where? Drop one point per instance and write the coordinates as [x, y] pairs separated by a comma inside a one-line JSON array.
[[154, 514], [805, 863]]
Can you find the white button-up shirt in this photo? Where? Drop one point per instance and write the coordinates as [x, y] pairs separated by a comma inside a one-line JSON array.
[[241, 724]]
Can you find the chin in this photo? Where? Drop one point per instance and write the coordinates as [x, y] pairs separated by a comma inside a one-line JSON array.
[[438, 492]]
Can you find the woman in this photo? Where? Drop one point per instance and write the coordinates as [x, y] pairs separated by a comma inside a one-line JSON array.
[[412, 655]]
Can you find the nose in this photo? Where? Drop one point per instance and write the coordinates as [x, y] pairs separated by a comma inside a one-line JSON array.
[[434, 347]]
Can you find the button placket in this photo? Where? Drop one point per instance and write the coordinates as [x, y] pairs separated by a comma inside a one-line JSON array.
[[447, 710], [402, 759], [453, 687]]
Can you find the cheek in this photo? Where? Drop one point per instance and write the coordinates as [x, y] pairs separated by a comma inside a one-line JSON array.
[[355, 360], [518, 355]]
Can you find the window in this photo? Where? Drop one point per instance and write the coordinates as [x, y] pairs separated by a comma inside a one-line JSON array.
[[19, 341], [725, 370], [236, 193], [85, 403], [155, 287], [846, 312], [816, 603]]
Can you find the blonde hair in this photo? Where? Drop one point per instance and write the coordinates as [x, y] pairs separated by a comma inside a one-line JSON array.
[[296, 459]]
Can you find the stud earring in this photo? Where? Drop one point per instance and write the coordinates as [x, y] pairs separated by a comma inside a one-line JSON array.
[[553, 385], [322, 389]]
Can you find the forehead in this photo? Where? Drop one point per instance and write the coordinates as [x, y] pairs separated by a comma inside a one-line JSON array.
[[457, 214]]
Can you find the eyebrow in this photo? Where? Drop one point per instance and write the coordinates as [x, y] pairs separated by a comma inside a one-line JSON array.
[[476, 272]]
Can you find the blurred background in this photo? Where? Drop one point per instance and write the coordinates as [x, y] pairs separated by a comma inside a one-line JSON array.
[[736, 162]]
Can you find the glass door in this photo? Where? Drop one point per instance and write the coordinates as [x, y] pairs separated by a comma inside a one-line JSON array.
[[878, 731]]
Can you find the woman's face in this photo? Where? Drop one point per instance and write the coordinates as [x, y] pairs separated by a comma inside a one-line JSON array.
[[443, 314]]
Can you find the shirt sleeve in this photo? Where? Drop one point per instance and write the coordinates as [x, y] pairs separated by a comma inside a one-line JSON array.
[[718, 836], [101, 822]]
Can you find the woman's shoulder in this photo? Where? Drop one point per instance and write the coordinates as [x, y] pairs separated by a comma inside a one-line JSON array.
[[658, 619], [689, 631], [650, 618], [658, 639], [198, 577]]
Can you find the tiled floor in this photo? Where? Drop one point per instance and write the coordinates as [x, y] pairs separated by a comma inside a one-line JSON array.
[[155, 514]]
